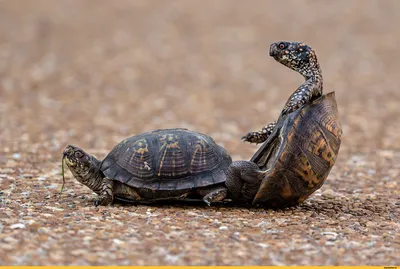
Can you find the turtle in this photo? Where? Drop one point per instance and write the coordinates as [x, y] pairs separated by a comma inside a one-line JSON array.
[[299, 149], [164, 164], [295, 160], [301, 58]]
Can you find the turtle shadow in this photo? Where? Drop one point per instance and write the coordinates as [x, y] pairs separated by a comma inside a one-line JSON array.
[[199, 203]]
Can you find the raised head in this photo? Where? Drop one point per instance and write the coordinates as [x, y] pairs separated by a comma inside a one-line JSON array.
[[85, 167], [297, 56]]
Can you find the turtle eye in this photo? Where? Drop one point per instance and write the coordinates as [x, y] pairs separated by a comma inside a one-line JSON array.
[[78, 154], [282, 45]]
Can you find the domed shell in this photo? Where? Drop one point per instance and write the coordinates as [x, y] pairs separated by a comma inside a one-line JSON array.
[[299, 154], [167, 159]]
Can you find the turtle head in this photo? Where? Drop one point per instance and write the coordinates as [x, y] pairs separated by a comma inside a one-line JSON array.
[[82, 165], [76, 159], [297, 56]]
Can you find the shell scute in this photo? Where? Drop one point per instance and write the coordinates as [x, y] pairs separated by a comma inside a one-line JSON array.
[[172, 162], [203, 157], [137, 159]]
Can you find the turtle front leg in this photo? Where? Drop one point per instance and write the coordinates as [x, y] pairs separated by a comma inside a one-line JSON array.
[[243, 180], [303, 95], [260, 136], [106, 194], [213, 194]]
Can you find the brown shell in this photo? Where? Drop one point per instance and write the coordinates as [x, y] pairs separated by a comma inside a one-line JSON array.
[[167, 159], [299, 153]]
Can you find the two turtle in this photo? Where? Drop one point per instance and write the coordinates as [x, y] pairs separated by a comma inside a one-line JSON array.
[[298, 152]]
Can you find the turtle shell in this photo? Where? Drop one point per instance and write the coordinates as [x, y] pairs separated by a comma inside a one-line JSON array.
[[299, 154], [167, 159]]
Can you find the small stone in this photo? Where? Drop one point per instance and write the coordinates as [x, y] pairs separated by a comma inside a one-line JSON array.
[[118, 242], [18, 226], [329, 193], [87, 238], [43, 230], [370, 224], [263, 245], [191, 213], [223, 228], [10, 240], [78, 252], [331, 236]]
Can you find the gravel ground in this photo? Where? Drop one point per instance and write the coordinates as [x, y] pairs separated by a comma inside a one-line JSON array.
[[91, 73]]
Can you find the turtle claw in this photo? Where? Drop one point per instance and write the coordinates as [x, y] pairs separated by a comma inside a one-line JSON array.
[[253, 138], [216, 195], [102, 200], [245, 139]]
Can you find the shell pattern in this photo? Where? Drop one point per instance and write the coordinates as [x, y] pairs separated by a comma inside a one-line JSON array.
[[168, 159], [300, 154]]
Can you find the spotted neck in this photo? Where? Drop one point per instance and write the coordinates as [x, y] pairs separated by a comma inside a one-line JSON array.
[[313, 78], [92, 178]]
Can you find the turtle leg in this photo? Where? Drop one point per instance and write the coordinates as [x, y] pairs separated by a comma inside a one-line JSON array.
[[260, 136], [213, 194], [304, 94], [126, 193], [106, 195], [243, 180]]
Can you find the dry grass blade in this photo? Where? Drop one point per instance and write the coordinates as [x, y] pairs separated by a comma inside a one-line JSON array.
[[62, 172]]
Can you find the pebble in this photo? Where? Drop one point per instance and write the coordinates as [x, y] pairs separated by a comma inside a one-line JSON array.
[[17, 226], [43, 230], [263, 245], [331, 236], [118, 242]]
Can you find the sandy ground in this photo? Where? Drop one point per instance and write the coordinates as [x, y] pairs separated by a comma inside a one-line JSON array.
[[91, 73]]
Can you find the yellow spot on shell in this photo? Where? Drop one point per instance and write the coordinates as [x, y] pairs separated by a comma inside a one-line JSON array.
[[141, 146], [173, 145], [305, 171], [142, 150]]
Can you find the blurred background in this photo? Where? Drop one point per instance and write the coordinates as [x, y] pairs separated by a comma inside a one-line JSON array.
[[92, 73]]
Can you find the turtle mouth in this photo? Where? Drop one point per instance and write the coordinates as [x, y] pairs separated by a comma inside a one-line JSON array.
[[67, 156], [68, 151], [273, 50], [69, 162]]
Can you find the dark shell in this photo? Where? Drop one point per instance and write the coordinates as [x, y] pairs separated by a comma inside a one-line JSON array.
[[167, 159], [299, 153]]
